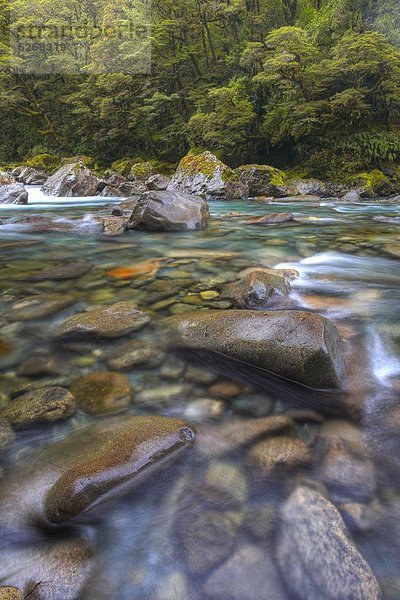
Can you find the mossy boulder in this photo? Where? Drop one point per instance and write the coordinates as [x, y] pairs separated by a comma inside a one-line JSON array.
[[44, 162], [141, 171], [263, 180], [206, 176], [372, 183]]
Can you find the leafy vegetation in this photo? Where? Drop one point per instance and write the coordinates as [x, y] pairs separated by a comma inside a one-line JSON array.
[[309, 83]]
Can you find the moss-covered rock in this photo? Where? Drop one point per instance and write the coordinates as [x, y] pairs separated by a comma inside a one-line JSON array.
[[141, 171], [44, 162], [123, 166], [205, 175], [263, 180], [372, 183]]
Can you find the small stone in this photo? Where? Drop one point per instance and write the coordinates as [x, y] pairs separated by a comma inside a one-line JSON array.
[[280, 453], [38, 307], [223, 439], [174, 587], [162, 395], [209, 295], [201, 375], [224, 483], [226, 389], [102, 393], [136, 353], [45, 405], [360, 517], [41, 365], [114, 225], [70, 270], [253, 405], [203, 409], [111, 321], [173, 368]]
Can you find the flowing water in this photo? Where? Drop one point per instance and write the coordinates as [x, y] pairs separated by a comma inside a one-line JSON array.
[[170, 538]]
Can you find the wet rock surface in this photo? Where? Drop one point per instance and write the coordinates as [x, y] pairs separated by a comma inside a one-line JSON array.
[[300, 346], [13, 193], [45, 405], [256, 290], [169, 211]]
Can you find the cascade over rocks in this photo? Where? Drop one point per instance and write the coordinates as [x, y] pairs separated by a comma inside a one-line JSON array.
[[205, 175], [300, 346], [169, 211]]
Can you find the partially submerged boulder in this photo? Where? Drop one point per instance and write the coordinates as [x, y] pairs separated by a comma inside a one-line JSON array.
[[272, 219], [315, 554], [257, 289], [300, 346], [169, 211], [205, 175], [71, 180], [263, 180], [95, 464], [12, 192], [352, 196]]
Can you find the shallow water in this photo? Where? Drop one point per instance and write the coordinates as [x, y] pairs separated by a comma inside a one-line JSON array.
[[144, 546]]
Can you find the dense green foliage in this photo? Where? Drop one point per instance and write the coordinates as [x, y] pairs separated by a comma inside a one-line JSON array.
[[314, 83]]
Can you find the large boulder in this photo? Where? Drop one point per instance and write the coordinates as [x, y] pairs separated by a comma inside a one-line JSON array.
[[316, 555], [29, 175], [12, 192], [204, 175], [94, 464], [263, 180], [169, 211], [72, 179], [297, 345]]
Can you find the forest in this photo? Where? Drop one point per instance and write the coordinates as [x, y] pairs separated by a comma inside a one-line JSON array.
[[306, 84]]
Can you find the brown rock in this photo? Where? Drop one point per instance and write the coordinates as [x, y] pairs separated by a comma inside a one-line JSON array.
[[45, 405], [280, 453], [256, 289], [102, 393], [108, 322]]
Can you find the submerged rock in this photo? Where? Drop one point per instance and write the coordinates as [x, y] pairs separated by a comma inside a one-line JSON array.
[[272, 219], [72, 179], [208, 537], [38, 307], [95, 464], [45, 405], [169, 211], [102, 393], [280, 453], [297, 345], [204, 175], [61, 272], [114, 225], [13, 193], [256, 289], [10, 593], [250, 573], [108, 322], [7, 435], [316, 555]]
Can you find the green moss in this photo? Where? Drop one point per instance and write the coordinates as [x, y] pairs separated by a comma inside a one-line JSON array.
[[44, 162], [206, 163], [123, 166], [373, 182]]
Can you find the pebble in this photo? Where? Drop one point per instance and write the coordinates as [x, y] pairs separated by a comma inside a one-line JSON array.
[[280, 453], [45, 405]]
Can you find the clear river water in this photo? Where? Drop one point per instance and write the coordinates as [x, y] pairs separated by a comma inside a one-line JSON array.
[[208, 526]]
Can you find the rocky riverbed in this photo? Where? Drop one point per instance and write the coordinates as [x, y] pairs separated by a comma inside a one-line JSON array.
[[203, 412]]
